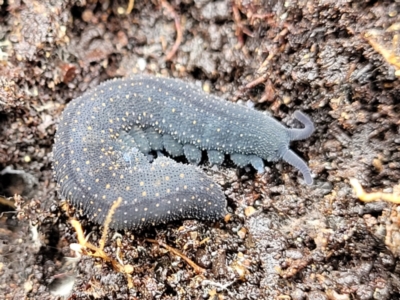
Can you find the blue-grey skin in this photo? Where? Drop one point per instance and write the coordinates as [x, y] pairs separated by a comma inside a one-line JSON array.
[[104, 135]]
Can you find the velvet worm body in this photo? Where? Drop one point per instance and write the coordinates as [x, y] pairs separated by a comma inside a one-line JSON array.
[[104, 136]]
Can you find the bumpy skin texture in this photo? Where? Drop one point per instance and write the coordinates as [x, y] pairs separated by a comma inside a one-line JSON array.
[[104, 135]]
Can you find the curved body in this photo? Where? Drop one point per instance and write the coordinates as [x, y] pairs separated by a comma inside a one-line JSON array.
[[103, 136]]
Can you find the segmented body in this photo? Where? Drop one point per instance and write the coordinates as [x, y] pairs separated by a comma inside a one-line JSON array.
[[103, 136]]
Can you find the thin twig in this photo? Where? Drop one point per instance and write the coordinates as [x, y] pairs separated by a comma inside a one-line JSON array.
[[178, 27], [369, 197], [197, 269]]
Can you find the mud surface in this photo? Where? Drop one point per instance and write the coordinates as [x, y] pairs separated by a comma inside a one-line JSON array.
[[337, 60]]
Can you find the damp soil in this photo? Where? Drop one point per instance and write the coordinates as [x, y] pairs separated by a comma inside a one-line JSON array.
[[336, 60]]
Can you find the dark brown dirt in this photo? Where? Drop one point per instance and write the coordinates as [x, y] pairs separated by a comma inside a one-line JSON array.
[[337, 60]]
